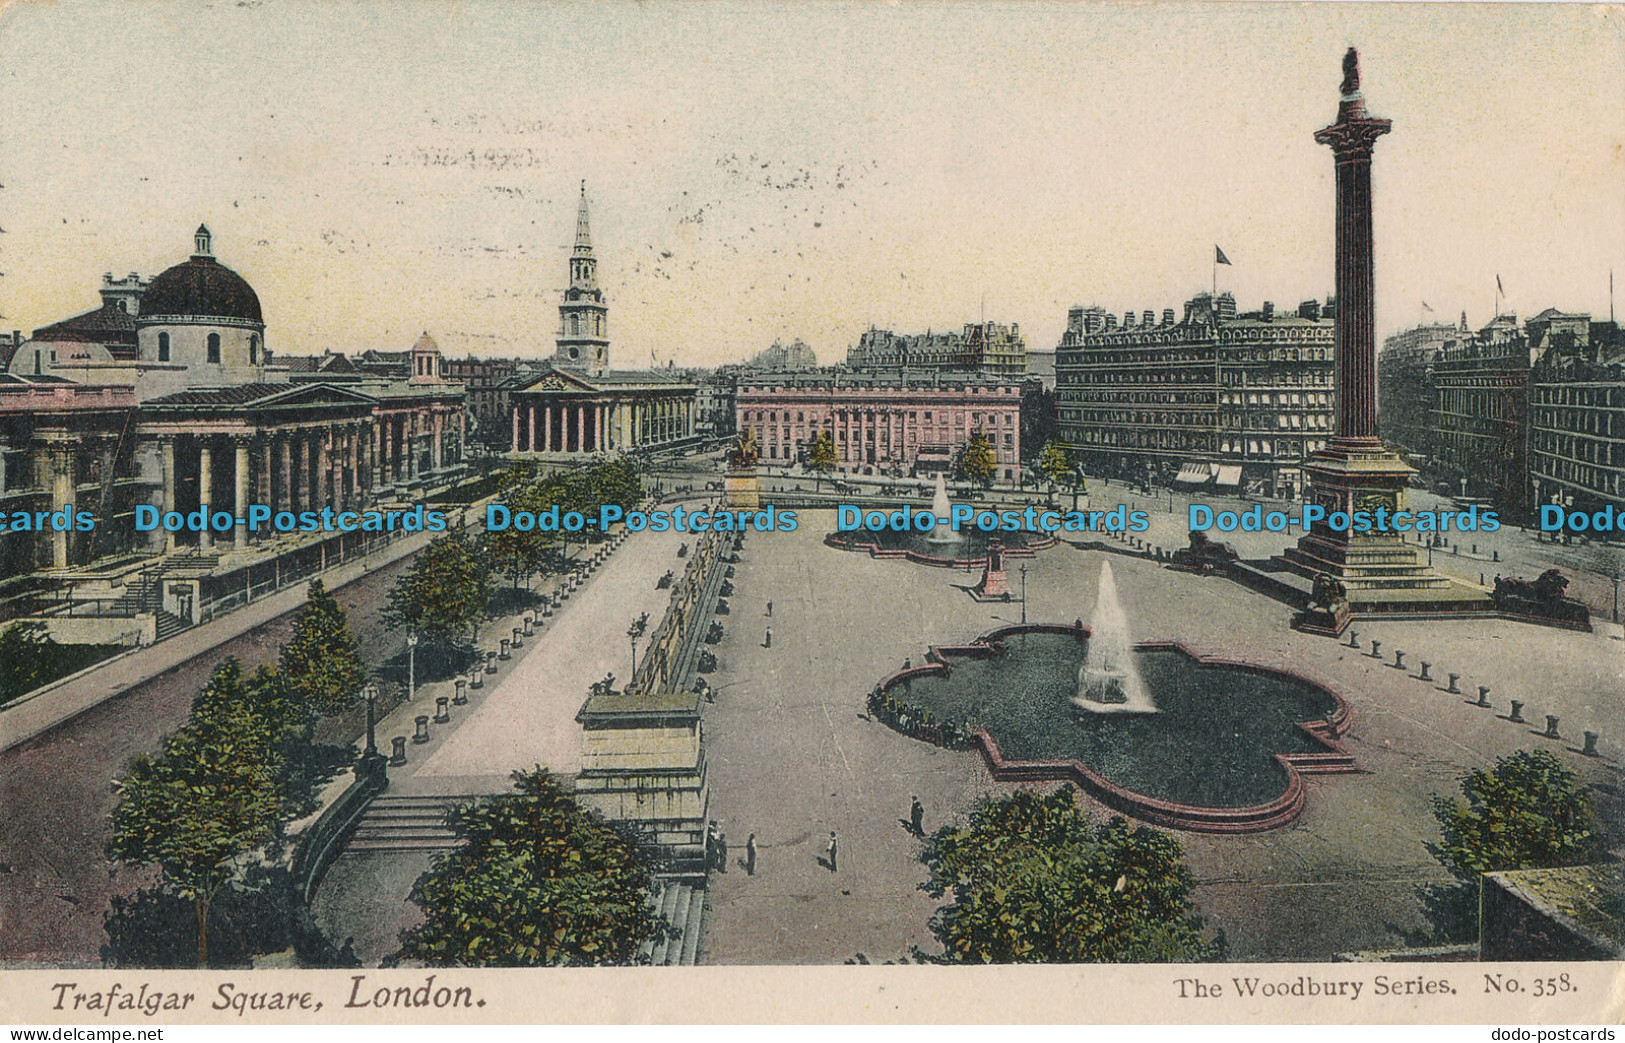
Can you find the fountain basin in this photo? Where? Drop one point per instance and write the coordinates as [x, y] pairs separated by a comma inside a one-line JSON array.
[[967, 552], [1226, 752]]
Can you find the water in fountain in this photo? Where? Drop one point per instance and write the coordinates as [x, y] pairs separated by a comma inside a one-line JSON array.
[[1108, 681], [942, 532]]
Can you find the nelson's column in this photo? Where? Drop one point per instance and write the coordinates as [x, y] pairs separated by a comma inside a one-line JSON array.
[[1381, 573]]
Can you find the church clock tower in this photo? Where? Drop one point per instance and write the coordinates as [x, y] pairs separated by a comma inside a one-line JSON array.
[[583, 342]]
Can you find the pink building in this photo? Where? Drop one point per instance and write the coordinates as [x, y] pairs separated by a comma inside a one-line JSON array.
[[881, 424]]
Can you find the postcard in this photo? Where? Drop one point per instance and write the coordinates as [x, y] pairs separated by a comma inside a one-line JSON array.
[[918, 512]]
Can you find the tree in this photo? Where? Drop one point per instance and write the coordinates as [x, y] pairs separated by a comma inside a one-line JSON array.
[[212, 794], [1055, 463], [539, 882], [322, 660], [977, 461], [444, 594], [1034, 881], [821, 456], [25, 649], [1526, 812]]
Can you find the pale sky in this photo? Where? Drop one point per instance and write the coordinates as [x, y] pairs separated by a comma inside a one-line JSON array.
[[773, 170]]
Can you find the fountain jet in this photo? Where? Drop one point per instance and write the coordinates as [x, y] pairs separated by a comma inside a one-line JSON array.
[[942, 532], [1108, 681]]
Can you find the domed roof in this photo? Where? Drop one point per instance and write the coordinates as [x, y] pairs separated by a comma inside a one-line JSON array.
[[200, 286]]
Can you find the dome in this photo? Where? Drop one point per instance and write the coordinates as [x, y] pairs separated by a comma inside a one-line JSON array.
[[202, 287]]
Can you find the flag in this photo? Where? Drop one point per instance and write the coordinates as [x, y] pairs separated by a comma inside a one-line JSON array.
[[1218, 256], [1498, 287]]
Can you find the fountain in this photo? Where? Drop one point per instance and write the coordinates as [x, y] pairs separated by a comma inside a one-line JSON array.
[[1108, 681], [942, 532]]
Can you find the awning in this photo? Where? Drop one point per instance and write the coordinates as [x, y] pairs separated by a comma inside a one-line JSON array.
[[1194, 474], [1229, 474]]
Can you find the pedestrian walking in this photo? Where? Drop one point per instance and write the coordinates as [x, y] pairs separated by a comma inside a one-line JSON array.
[[711, 844], [770, 608], [767, 641], [722, 852], [750, 855], [916, 816], [833, 849]]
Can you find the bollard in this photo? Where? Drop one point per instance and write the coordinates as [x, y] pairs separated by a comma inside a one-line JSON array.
[[1516, 716], [1590, 749], [504, 653], [1452, 686], [1354, 639], [461, 697], [1399, 660], [547, 609], [518, 637], [442, 710], [1375, 646], [397, 756], [490, 662], [1551, 727], [477, 678], [1423, 676], [422, 734], [1483, 695], [530, 621]]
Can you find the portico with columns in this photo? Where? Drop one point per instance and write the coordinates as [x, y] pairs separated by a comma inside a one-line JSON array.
[[563, 413]]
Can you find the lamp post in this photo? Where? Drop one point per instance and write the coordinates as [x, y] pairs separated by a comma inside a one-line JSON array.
[[411, 667], [370, 693], [1024, 595]]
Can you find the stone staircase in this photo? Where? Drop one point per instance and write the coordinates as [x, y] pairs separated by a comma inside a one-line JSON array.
[[683, 907], [401, 823], [169, 625]]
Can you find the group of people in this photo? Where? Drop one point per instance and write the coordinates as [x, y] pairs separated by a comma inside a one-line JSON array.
[[716, 850]]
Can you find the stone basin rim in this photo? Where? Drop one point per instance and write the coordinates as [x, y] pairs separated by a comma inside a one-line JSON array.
[[1331, 758]]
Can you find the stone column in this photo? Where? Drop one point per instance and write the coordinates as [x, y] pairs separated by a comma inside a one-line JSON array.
[[205, 492], [1351, 139], [326, 484], [530, 421], [62, 490], [285, 496], [170, 480], [516, 446], [580, 419], [411, 430], [310, 462], [239, 503], [266, 484], [439, 440]]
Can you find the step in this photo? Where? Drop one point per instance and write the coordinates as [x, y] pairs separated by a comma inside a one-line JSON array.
[[693, 928], [437, 844]]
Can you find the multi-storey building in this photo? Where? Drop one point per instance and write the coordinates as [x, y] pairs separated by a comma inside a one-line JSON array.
[[1215, 398], [1477, 430], [987, 349], [1577, 413], [1405, 385], [908, 423], [487, 383]]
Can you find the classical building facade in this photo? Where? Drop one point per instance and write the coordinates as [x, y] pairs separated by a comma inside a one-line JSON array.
[[576, 404], [987, 349], [167, 397], [911, 423], [1215, 398]]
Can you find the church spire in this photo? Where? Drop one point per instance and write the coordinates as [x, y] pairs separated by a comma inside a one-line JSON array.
[[583, 234]]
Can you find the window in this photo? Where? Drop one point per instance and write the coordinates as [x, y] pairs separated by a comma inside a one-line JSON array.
[[214, 347], [163, 347], [253, 349]]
